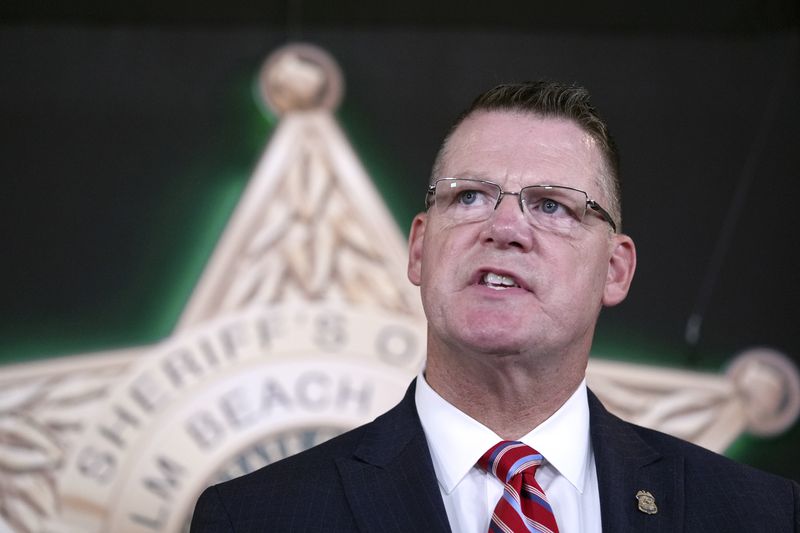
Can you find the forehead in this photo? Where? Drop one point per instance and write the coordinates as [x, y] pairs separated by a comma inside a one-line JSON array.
[[518, 149]]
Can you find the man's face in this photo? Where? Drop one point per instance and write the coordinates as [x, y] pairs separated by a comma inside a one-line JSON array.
[[558, 282]]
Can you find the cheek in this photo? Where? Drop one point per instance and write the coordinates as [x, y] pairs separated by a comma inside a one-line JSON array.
[[443, 267], [583, 269], [594, 271], [430, 265], [443, 250], [437, 265]]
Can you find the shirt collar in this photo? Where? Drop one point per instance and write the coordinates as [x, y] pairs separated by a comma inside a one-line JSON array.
[[457, 441]]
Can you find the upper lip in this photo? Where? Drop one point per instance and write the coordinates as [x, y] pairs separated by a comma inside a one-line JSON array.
[[476, 278]]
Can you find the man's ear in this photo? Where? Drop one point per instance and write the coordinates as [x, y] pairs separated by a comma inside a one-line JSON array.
[[416, 237], [621, 266]]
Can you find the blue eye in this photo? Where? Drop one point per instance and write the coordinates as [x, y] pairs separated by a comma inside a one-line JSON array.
[[468, 197], [550, 206]]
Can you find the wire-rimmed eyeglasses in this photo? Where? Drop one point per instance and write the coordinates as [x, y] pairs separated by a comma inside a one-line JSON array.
[[554, 207]]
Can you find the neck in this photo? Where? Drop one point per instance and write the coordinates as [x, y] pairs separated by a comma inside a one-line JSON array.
[[510, 394]]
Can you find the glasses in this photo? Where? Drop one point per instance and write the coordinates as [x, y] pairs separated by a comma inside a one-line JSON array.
[[552, 207]]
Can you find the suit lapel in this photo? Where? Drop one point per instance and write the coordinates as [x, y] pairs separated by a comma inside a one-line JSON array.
[[626, 464], [391, 486], [389, 481]]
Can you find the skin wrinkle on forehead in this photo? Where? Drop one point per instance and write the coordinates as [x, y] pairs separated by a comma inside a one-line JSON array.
[[587, 160], [601, 175]]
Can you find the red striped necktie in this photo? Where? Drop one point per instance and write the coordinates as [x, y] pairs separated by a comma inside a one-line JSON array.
[[523, 507]]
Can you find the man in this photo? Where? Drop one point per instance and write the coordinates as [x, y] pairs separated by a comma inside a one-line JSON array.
[[516, 254]]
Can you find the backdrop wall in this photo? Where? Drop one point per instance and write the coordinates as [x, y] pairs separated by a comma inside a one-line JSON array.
[[125, 149]]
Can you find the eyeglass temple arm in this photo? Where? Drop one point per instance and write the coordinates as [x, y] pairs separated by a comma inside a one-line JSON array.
[[428, 194], [603, 213]]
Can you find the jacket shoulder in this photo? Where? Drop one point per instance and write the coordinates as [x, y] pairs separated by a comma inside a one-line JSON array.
[[314, 463], [284, 491], [713, 492], [637, 440], [703, 462], [278, 496]]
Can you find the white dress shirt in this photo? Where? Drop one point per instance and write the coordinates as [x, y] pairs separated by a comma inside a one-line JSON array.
[[568, 475]]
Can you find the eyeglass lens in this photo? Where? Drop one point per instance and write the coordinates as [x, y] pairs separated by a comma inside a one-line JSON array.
[[467, 200]]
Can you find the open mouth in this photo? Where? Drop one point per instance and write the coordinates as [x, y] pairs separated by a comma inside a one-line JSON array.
[[498, 281]]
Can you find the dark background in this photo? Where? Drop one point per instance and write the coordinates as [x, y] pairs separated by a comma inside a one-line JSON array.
[[128, 132]]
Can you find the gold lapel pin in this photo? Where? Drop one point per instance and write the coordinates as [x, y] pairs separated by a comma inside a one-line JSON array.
[[647, 503]]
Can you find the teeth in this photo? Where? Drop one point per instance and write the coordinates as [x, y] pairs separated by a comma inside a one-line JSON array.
[[497, 281]]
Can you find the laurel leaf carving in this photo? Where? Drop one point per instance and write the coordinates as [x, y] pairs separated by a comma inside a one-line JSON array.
[[25, 445], [19, 396], [317, 180], [39, 492], [27, 503], [273, 275], [354, 237], [39, 417], [71, 393], [275, 224], [243, 289], [309, 239], [323, 262], [703, 410], [683, 413]]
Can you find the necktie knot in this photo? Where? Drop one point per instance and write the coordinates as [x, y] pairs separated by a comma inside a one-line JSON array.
[[507, 459], [523, 508]]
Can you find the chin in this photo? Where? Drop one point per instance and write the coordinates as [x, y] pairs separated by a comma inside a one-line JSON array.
[[499, 340], [499, 350], [495, 323]]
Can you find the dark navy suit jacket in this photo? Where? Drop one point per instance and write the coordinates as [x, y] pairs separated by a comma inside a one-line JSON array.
[[380, 478]]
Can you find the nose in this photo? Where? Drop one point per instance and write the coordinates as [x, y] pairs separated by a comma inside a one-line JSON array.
[[507, 226]]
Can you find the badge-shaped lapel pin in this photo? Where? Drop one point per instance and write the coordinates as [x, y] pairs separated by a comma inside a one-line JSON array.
[[647, 503]]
